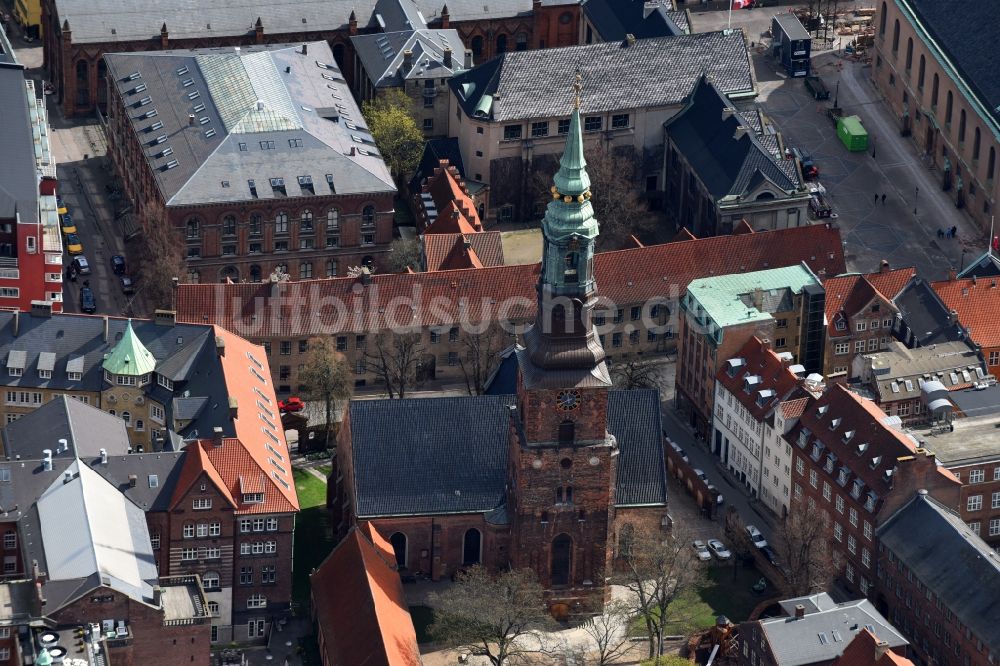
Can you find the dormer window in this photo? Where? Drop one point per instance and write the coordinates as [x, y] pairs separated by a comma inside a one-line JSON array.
[[862, 447], [817, 451], [831, 461], [876, 461], [834, 424], [870, 502], [822, 410], [842, 476], [848, 435], [253, 498], [803, 438], [733, 366], [164, 382], [856, 488]]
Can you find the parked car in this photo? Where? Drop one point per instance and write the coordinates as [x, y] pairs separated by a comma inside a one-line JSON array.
[[73, 244], [771, 556], [88, 302], [701, 551], [719, 549], [809, 169], [756, 537], [292, 404], [700, 474], [128, 286], [817, 88], [719, 499], [61, 205], [80, 265], [67, 224], [118, 264]]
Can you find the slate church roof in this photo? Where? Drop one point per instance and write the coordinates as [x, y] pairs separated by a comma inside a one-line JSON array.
[[614, 19], [449, 455]]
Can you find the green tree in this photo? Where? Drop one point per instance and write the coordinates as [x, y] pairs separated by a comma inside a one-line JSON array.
[[395, 131], [404, 253], [492, 616], [327, 377]]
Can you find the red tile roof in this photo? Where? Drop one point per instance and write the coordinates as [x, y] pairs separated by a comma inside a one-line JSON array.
[[861, 651], [846, 295], [634, 275], [257, 459], [456, 212], [360, 607], [773, 373], [743, 227], [977, 302], [449, 252], [792, 409]]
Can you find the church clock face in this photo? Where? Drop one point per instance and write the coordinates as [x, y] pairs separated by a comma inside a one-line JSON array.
[[568, 400]]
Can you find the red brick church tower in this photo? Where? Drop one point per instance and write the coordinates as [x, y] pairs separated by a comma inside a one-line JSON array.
[[562, 461]]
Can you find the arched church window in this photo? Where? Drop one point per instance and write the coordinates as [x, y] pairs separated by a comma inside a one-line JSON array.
[[567, 432], [398, 542]]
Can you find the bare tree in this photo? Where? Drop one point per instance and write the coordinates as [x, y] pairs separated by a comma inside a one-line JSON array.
[[803, 548], [609, 632], [635, 375], [160, 261], [492, 616], [327, 377], [659, 569], [479, 355], [404, 253], [736, 535], [395, 359]]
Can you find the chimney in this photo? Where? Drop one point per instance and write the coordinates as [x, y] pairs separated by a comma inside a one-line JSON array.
[[234, 407], [62, 446], [258, 30], [800, 611], [220, 346], [104, 456], [952, 275], [47, 460], [157, 595], [880, 649], [190, 120], [105, 329], [164, 317], [288, 69], [164, 36], [883, 267], [15, 322], [758, 298], [67, 477], [629, 40], [352, 24], [305, 49], [952, 316], [132, 479], [366, 276], [974, 280], [217, 436], [445, 18], [740, 133], [447, 58], [468, 58], [407, 61], [728, 113], [42, 309]]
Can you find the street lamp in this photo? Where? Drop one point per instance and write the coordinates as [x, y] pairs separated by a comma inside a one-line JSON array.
[[962, 268], [916, 193], [836, 96]]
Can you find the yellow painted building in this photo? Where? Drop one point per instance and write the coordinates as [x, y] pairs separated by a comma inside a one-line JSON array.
[[29, 16]]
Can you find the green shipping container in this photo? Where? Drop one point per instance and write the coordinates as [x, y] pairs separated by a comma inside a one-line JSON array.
[[852, 133]]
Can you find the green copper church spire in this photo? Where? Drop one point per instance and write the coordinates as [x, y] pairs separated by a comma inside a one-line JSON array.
[[572, 179]]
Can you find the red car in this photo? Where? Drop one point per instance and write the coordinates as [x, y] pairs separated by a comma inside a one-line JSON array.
[[292, 404]]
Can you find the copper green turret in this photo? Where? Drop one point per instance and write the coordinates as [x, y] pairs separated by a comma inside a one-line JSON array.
[[130, 356]]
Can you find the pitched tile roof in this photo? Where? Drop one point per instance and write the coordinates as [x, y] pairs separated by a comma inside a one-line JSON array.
[[613, 19], [977, 302], [423, 456], [728, 161], [771, 379], [450, 209], [792, 409], [266, 125], [360, 606], [444, 252], [655, 72], [861, 651], [950, 560], [847, 294], [633, 275]]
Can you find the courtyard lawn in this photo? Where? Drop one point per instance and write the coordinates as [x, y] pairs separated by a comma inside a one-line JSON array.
[[721, 595], [311, 491], [324, 469], [312, 534]]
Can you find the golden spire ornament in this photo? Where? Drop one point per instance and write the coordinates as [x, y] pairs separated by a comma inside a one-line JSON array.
[[577, 87]]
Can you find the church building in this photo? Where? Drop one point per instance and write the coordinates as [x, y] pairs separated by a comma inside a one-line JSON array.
[[547, 477]]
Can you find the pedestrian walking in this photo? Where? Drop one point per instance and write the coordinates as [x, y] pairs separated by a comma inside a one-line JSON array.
[[940, 233], [954, 232], [883, 199], [876, 197]]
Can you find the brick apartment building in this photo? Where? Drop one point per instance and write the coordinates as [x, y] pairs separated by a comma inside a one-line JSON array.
[[75, 39], [856, 469], [937, 581], [192, 431], [313, 196], [941, 87], [30, 239], [722, 312], [636, 319]]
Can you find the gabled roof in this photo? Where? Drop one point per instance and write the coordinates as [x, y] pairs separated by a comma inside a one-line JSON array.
[[129, 356], [382, 55], [950, 560], [270, 122], [772, 379], [977, 302], [633, 275], [87, 430], [446, 205], [862, 651], [360, 606], [18, 171], [613, 19], [847, 294], [656, 72], [454, 251], [985, 265], [824, 634], [197, 463], [721, 147]]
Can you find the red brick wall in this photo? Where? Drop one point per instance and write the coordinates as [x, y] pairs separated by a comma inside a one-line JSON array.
[[986, 488]]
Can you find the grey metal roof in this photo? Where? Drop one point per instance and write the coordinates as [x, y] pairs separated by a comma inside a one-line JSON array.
[[127, 20], [964, 30], [951, 561], [426, 456], [614, 19], [656, 72], [791, 26], [86, 430], [382, 55], [260, 113], [18, 172], [727, 163], [814, 638], [926, 315]]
